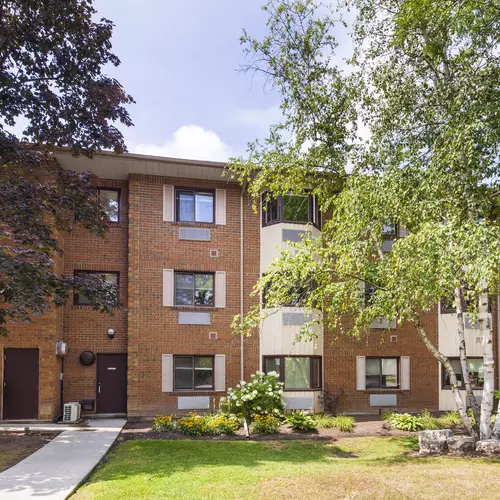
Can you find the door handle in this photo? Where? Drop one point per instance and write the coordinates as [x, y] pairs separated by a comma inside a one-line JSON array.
[[99, 389]]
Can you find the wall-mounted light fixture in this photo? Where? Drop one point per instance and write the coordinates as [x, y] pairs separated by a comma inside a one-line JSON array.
[[111, 333]]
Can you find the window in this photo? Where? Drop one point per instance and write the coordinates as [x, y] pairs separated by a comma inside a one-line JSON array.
[[382, 373], [110, 203], [194, 289], [299, 209], [297, 295], [296, 208], [193, 373], [194, 206], [389, 231], [369, 291], [297, 372], [110, 277], [476, 373]]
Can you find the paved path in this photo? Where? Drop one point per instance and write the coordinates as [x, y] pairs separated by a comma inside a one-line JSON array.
[[54, 471]]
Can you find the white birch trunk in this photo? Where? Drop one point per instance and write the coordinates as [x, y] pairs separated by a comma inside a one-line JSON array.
[[488, 364], [461, 407], [460, 302]]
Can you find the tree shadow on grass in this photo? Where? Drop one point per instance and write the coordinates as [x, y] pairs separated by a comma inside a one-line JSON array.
[[166, 458]]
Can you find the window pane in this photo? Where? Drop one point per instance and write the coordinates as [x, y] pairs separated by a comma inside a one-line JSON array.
[[110, 203], [457, 368], [204, 289], [270, 209], [184, 293], [389, 230], [183, 372], [372, 372], [111, 278], [476, 372], [203, 373], [183, 362], [316, 373], [297, 373], [389, 372], [272, 365], [296, 208], [186, 206], [204, 207]]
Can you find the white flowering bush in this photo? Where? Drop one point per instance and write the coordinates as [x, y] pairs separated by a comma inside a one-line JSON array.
[[263, 395]]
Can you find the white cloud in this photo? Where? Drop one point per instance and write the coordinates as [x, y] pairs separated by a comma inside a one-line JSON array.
[[191, 142]]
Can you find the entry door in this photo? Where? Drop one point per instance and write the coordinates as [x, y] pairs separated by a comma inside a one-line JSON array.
[[111, 383], [20, 384]]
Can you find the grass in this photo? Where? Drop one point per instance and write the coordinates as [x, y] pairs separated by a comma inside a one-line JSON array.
[[343, 423], [372, 467], [11, 457]]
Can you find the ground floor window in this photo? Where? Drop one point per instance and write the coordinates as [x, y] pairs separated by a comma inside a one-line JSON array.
[[382, 373], [476, 373], [193, 372], [296, 372]]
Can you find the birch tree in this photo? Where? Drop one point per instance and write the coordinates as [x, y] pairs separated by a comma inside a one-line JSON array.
[[423, 79]]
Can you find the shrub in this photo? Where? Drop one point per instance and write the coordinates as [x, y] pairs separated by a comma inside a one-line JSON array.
[[299, 421], [194, 425], [222, 425], [263, 395], [265, 424], [164, 423], [450, 420], [344, 423], [408, 422], [329, 400]]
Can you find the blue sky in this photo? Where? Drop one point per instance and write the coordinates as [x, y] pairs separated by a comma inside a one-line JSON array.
[[179, 61]]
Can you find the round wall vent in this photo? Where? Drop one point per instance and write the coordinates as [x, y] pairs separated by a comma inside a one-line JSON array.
[[87, 358]]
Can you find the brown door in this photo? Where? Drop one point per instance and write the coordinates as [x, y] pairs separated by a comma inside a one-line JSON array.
[[111, 383], [20, 384]]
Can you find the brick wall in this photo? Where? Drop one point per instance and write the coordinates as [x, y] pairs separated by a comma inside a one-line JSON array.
[[153, 328], [85, 329]]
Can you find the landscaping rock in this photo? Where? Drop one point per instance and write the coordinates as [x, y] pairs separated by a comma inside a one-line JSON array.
[[488, 446], [460, 443], [433, 441]]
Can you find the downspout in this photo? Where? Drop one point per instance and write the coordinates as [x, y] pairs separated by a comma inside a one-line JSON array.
[[242, 291]]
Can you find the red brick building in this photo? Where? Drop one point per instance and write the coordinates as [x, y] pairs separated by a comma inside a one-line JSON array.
[[185, 247]]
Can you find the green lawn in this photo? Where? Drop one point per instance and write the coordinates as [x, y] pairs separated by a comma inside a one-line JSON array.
[[351, 468]]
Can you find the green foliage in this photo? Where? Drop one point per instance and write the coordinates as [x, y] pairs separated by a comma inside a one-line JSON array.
[[343, 423], [496, 394], [263, 395], [165, 423], [299, 421], [53, 59], [218, 424], [450, 420], [413, 423], [265, 424]]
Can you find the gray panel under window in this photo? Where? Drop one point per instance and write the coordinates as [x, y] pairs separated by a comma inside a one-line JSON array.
[[296, 318], [387, 245], [193, 403], [194, 233], [470, 325], [383, 323], [298, 403], [294, 235], [194, 318], [383, 400]]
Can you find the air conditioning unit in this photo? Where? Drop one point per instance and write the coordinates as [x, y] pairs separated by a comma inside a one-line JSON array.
[[72, 412]]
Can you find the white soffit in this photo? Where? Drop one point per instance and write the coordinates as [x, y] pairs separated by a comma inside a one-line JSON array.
[[110, 166]]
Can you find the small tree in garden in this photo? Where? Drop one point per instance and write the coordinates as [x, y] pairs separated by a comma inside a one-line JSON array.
[[263, 395]]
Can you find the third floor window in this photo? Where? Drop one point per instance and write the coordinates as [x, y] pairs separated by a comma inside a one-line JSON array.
[[299, 209], [193, 205]]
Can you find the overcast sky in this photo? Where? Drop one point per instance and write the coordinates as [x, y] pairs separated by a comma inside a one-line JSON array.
[[179, 61]]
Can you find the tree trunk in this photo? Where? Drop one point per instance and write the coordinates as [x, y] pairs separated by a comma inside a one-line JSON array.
[[488, 364], [461, 408], [471, 398]]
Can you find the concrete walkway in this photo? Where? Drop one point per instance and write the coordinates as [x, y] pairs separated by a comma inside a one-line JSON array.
[[54, 471]]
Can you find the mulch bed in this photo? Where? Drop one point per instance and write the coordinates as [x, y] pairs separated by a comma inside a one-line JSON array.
[[141, 429], [25, 444]]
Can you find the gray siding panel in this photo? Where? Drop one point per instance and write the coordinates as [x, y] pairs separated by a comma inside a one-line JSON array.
[[383, 400], [193, 403], [194, 233], [294, 235], [295, 318], [194, 318]]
